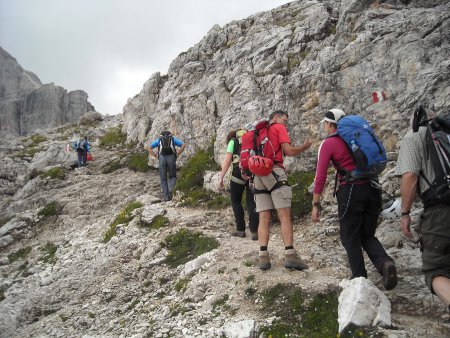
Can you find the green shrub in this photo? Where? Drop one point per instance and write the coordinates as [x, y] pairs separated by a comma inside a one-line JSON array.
[[49, 253], [157, 223], [138, 162], [191, 175], [113, 138], [301, 198], [298, 315], [51, 209], [55, 173], [125, 216], [186, 245], [19, 254]]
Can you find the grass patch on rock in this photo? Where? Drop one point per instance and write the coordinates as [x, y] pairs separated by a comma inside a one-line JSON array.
[[181, 284], [138, 162], [5, 220], [51, 209], [112, 166], [19, 254], [37, 139], [186, 245], [158, 222], [54, 173], [300, 315], [125, 216], [301, 198], [201, 197], [190, 182], [29, 152], [191, 175], [2, 294], [49, 250], [113, 138]]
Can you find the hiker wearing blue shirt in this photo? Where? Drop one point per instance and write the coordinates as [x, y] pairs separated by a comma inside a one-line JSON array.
[[167, 155], [82, 146]]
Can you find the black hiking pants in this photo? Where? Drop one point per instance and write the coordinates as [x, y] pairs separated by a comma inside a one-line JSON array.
[[358, 208], [237, 192]]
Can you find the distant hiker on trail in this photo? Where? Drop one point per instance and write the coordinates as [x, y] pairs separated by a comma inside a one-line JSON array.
[[424, 166], [167, 155], [359, 204], [83, 147], [272, 190], [238, 185]]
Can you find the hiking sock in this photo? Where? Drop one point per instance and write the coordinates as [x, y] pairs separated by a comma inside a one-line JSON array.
[[289, 247], [263, 248]]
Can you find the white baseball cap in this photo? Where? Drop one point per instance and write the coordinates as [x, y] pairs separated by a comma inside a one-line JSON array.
[[333, 115]]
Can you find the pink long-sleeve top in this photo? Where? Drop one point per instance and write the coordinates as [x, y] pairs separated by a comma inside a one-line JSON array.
[[331, 149]]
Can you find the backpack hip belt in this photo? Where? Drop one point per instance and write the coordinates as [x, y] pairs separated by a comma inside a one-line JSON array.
[[237, 180], [276, 186]]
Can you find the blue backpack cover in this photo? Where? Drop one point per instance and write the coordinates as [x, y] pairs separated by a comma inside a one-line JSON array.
[[367, 150]]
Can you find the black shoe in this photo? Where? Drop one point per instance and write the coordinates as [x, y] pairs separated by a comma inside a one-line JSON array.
[[389, 272]]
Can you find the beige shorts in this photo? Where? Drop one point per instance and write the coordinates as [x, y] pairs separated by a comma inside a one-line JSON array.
[[279, 198]]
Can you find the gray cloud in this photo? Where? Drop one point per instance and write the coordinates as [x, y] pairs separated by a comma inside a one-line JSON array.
[[109, 48]]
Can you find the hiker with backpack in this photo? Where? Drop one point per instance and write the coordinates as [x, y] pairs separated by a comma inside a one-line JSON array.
[[167, 155], [238, 185], [359, 193], [262, 154], [424, 166], [83, 148]]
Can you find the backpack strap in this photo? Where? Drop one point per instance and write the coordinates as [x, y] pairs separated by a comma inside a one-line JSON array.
[[236, 152], [276, 186]]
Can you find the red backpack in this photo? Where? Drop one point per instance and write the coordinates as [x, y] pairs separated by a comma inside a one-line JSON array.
[[257, 152]]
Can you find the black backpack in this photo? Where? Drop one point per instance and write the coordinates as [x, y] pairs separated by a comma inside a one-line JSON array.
[[438, 149], [81, 144], [166, 146]]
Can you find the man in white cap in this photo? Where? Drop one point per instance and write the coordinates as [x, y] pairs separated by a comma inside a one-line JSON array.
[[359, 204]]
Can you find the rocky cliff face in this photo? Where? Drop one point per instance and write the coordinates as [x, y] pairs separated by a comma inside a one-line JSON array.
[[375, 58], [26, 105]]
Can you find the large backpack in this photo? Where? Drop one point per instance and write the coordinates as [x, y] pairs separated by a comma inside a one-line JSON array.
[[80, 144], [166, 146], [367, 150], [438, 148], [256, 147]]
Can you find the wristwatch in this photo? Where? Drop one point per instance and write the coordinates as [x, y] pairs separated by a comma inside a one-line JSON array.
[[316, 204], [405, 213]]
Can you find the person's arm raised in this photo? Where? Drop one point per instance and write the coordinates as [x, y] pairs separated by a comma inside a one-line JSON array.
[[290, 150]]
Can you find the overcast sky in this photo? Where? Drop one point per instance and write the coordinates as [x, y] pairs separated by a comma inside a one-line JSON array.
[[109, 48]]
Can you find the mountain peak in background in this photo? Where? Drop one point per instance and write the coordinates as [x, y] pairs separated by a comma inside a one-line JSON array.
[[26, 105]]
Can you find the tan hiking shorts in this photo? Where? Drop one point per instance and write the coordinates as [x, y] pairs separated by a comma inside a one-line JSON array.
[[279, 198]]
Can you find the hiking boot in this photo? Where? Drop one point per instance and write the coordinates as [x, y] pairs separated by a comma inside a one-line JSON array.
[[389, 272], [293, 261], [264, 260], [238, 233], [254, 236]]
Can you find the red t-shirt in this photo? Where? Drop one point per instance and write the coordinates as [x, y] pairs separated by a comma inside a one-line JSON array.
[[332, 148], [278, 135]]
